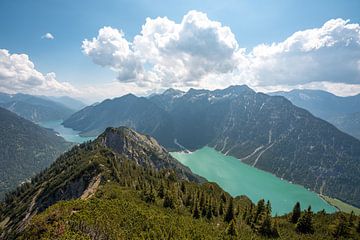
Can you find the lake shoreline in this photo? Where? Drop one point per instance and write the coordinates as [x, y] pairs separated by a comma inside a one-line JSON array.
[[238, 178]]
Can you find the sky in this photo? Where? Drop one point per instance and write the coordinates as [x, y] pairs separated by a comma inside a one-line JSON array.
[[94, 50]]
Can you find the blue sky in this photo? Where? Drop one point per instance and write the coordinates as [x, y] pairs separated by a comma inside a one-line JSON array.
[[23, 23]]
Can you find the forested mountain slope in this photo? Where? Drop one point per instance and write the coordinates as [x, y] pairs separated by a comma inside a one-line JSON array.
[[267, 132], [25, 149]]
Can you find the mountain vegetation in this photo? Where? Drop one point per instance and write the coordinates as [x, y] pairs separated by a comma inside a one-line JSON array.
[[25, 149], [343, 112], [34, 108], [267, 132], [124, 185]]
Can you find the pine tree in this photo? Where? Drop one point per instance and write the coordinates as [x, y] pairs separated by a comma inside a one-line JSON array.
[[275, 228], [342, 227], [168, 201], [221, 209], [196, 213], [358, 227], [202, 201], [245, 214], [260, 208], [304, 224], [268, 207], [231, 229], [296, 213], [203, 211], [237, 210], [161, 191], [352, 219], [209, 213], [265, 228], [183, 187], [229, 212]]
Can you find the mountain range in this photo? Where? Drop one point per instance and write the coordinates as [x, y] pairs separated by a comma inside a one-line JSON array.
[[343, 112], [40, 108], [124, 185], [25, 149], [267, 132]]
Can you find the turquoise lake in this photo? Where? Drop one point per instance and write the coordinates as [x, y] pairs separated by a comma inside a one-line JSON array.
[[238, 178], [68, 134]]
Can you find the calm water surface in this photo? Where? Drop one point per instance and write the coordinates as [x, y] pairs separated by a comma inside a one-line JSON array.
[[238, 178], [68, 134]]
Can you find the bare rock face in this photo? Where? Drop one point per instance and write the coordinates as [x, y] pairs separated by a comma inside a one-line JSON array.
[[145, 150]]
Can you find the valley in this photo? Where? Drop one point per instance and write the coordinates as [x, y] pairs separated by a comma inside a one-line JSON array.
[[68, 134]]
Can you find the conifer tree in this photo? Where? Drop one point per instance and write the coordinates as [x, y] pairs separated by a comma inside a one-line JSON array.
[[351, 219], [260, 208], [268, 207], [231, 229], [221, 208], [304, 224], [203, 211], [202, 201], [183, 187], [245, 213], [342, 227], [196, 213], [229, 212], [161, 191], [215, 210], [358, 227], [265, 228], [237, 210], [275, 228], [296, 213], [209, 213], [168, 201]]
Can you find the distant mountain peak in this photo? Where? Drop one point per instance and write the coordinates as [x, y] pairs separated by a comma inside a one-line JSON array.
[[238, 89], [172, 92]]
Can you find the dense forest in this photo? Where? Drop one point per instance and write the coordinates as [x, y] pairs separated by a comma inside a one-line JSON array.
[[25, 149]]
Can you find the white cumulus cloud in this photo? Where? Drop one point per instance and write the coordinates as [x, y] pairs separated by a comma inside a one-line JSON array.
[[48, 36], [200, 52], [166, 53], [18, 74], [327, 54]]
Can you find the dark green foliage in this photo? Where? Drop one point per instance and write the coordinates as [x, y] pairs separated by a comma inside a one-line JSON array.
[[25, 149], [209, 212], [305, 224], [169, 201], [342, 228], [296, 213], [231, 229], [268, 208], [196, 213], [161, 191], [221, 208], [266, 228], [229, 212], [260, 209]]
